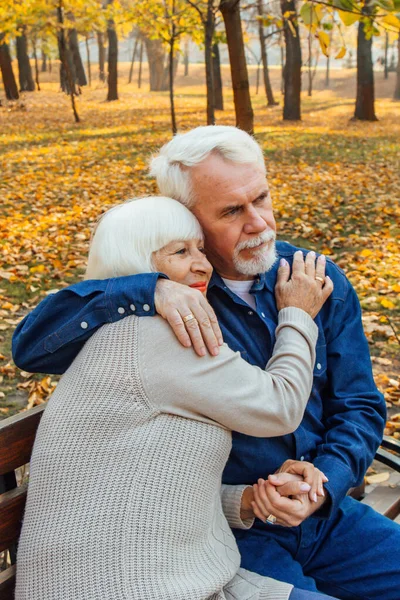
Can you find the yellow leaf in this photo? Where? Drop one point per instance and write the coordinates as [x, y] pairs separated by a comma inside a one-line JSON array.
[[341, 53], [366, 252], [378, 477], [324, 41], [348, 18], [391, 21], [396, 287], [387, 303]]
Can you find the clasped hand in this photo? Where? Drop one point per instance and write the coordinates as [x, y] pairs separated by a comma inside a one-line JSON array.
[[292, 494]]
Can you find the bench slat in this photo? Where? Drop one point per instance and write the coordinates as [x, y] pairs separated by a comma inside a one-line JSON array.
[[384, 500], [7, 583], [17, 435], [12, 505]]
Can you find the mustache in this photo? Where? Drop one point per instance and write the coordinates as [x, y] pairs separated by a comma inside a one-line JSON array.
[[266, 236]]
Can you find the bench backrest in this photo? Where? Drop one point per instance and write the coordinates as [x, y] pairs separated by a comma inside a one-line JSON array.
[[17, 435]]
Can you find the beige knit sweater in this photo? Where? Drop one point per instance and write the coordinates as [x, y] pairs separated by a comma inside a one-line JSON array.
[[124, 497]]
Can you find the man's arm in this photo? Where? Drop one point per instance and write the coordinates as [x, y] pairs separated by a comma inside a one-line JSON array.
[[49, 338], [354, 412]]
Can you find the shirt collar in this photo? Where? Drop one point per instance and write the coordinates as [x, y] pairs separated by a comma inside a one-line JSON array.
[[262, 280]]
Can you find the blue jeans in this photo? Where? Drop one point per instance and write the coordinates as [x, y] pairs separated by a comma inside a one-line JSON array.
[[297, 594], [354, 555]]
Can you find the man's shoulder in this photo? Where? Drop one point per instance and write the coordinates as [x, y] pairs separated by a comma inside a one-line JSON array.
[[340, 281]]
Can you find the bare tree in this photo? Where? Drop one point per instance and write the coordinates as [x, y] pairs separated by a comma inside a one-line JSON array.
[[9, 82], [292, 70]]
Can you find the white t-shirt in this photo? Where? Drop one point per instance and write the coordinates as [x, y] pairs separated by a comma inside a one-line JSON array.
[[242, 289]]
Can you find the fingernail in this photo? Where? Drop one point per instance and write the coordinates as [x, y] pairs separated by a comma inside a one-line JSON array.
[[322, 258], [283, 262], [312, 254], [298, 253], [215, 351], [327, 277], [220, 341], [315, 498], [305, 487], [202, 352]]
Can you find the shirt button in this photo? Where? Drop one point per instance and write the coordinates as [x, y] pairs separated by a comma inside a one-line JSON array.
[[301, 457], [250, 312], [319, 366], [132, 307], [262, 314], [84, 325], [146, 307], [121, 310]]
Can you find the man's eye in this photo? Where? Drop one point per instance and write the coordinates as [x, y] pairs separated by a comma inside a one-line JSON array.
[[233, 211]]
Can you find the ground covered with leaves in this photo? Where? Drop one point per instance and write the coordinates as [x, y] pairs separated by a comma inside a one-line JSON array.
[[335, 185]]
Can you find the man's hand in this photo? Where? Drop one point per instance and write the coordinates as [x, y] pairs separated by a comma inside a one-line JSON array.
[[174, 301], [289, 512], [292, 494]]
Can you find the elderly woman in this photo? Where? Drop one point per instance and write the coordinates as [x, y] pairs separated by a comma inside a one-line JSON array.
[[125, 498]]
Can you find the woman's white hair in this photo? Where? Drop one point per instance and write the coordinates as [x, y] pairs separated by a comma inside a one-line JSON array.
[[171, 167], [127, 235]]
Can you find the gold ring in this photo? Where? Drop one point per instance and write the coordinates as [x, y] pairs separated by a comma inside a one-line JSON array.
[[271, 519], [321, 279], [188, 317]]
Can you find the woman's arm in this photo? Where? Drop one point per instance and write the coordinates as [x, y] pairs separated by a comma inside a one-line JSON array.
[[225, 389]]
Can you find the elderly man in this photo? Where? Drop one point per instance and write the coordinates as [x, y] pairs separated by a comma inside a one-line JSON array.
[[333, 544]]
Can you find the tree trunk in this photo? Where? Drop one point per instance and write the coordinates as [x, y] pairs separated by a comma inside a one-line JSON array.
[[171, 82], [89, 68], [186, 57], [165, 83], [112, 60], [365, 101], [240, 80], [34, 46], [26, 83], [264, 57], [44, 62], [102, 55], [282, 49], [140, 64], [133, 58], [327, 72], [80, 76], [156, 59], [396, 95], [218, 95], [292, 70], [386, 64], [209, 25], [10, 85], [65, 66]]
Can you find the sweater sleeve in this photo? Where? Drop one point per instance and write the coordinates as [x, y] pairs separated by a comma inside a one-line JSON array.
[[225, 390], [231, 500]]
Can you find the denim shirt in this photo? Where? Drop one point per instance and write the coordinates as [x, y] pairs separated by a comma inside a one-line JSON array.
[[345, 415]]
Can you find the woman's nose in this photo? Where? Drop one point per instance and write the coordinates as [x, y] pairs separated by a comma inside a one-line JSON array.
[[200, 263]]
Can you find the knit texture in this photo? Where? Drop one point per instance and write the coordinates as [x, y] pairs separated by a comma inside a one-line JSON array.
[[124, 498]]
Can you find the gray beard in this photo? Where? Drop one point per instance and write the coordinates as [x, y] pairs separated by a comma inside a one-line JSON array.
[[262, 261]]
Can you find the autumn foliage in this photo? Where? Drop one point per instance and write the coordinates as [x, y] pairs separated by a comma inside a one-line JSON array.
[[335, 187]]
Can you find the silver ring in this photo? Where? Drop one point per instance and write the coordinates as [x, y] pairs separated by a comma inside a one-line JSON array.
[[271, 519], [188, 317]]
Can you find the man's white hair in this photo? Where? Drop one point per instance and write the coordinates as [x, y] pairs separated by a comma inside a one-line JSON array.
[[127, 235], [171, 167]]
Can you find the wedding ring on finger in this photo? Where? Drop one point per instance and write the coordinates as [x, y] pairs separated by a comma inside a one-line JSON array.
[[188, 317], [271, 519], [321, 279]]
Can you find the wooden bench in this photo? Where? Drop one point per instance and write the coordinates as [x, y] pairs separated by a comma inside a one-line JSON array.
[[17, 435]]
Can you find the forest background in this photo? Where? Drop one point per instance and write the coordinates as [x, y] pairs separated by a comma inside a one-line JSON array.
[[76, 135]]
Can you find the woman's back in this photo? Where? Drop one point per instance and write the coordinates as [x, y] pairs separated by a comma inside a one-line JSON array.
[[124, 500]]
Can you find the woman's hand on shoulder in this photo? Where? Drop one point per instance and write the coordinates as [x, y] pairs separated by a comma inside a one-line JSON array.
[[307, 287]]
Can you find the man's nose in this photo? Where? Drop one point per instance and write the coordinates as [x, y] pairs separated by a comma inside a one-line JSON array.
[[254, 223]]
